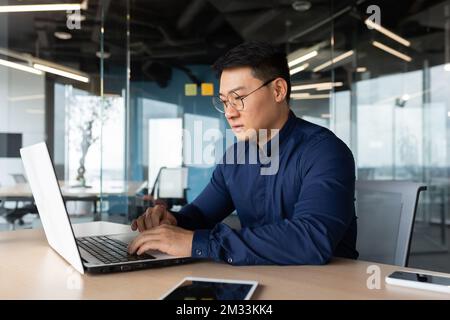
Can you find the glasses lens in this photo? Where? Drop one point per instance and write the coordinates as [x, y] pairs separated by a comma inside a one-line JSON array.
[[235, 101], [218, 104]]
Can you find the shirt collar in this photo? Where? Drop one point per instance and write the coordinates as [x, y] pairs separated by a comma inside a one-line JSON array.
[[287, 128], [283, 134]]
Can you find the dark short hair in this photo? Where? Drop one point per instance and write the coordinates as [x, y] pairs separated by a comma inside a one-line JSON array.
[[265, 60]]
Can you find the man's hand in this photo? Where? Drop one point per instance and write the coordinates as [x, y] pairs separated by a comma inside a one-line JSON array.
[[165, 238], [153, 217]]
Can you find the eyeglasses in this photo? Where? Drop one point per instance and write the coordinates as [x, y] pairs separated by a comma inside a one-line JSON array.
[[234, 100]]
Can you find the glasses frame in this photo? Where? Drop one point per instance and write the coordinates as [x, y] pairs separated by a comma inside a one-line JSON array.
[[226, 103]]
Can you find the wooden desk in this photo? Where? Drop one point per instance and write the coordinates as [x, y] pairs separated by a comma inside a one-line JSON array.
[[30, 269]]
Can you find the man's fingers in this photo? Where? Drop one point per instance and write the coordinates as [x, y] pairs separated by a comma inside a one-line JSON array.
[[172, 219], [134, 225], [148, 219], [160, 202], [140, 240], [157, 214], [140, 223], [150, 245], [166, 221], [152, 234]]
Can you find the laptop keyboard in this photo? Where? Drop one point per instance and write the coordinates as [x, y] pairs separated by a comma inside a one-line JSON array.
[[109, 250]]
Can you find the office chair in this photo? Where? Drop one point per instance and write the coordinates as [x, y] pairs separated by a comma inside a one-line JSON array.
[[21, 208], [15, 215], [386, 211], [170, 189], [171, 186]]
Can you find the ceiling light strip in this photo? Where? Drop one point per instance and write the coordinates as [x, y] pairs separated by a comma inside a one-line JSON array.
[[391, 51], [387, 33], [303, 58], [62, 73], [334, 60], [41, 7], [19, 66]]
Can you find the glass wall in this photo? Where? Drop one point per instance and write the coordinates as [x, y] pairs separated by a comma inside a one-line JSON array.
[[376, 74], [398, 102], [65, 80], [50, 91]]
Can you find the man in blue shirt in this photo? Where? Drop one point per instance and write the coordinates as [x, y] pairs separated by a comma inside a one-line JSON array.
[[302, 214]]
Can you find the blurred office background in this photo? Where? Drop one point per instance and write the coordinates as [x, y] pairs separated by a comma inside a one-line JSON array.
[[110, 85]]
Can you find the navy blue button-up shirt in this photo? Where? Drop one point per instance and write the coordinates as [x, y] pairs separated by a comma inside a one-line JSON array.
[[303, 214]]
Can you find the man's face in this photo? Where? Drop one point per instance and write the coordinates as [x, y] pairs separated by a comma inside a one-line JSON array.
[[260, 109]]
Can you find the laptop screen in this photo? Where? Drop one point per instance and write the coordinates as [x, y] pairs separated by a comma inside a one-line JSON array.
[[47, 195]]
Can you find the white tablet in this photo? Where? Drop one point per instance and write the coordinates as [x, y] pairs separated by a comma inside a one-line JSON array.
[[195, 288]]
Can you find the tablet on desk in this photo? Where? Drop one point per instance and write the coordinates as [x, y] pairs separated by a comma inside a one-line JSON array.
[[194, 288]]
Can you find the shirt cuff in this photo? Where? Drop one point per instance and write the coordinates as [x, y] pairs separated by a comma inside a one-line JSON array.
[[187, 217], [200, 244]]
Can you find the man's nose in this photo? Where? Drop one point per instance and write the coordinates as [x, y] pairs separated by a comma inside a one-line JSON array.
[[231, 112]]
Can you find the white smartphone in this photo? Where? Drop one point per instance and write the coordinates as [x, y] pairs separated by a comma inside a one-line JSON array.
[[195, 288], [419, 281]]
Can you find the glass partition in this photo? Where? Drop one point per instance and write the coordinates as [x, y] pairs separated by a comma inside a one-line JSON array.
[[49, 83], [122, 90]]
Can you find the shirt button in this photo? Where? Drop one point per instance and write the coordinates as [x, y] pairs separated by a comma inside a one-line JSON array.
[[198, 252], [230, 260]]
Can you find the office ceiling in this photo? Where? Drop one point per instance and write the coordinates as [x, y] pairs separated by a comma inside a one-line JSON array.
[[166, 34]]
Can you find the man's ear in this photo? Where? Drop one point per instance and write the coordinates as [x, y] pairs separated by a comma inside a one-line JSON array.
[[280, 89]]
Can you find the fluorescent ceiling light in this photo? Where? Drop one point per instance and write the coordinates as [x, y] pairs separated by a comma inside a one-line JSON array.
[[320, 85], [336, 84], [386, 32], [62, 35], [298, 69], [62, 73], [42, 65], [391, 51], [19, 66], [361, 69], [317, 96], [106, 55], [299, 95], [325, 115], [41, 7], [305, 57], [307, 96], [334, 60]]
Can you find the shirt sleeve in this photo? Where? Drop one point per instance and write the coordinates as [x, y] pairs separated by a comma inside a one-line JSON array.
[[212, 205], [323, 212]]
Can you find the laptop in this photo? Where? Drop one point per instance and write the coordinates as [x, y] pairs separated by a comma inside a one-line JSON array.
[[93, 254]]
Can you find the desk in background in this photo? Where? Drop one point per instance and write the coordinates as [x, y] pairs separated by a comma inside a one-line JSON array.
[[22, 192]]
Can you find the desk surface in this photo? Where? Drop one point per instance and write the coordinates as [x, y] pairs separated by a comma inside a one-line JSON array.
[[30, 269]]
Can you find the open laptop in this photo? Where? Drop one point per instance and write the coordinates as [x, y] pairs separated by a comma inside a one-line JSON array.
[[96, 254]]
